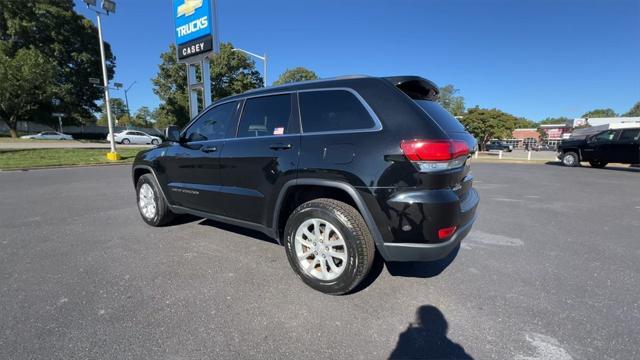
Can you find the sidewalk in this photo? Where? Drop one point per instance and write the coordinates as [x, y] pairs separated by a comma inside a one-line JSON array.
[[8, 143]]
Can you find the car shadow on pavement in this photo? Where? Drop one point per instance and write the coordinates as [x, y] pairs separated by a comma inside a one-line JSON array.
[[421, 269], [426, 338], [238, 230], [184, 219], [607, 168]]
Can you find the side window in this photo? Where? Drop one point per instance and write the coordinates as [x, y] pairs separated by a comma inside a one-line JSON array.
[[332, 110], [266, 116], [213, 124], [630, 135], [606, 136]]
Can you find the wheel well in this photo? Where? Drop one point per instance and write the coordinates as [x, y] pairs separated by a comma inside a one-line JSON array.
[[300, 194], [137, 173]]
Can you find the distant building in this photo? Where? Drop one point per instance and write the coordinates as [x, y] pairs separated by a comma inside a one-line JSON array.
[[582, 127], [611, 121], [520, 138]]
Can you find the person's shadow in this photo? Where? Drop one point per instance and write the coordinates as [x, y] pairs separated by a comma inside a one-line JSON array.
[[427, 338]]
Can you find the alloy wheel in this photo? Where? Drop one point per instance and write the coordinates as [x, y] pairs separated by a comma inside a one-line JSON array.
[[320, 249], [146, 201]]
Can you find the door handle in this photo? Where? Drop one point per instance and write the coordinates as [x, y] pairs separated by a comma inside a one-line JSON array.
[[209, 149], [280, 146]]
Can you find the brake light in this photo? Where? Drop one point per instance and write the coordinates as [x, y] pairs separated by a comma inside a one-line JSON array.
[[434, 155], [446, 233]]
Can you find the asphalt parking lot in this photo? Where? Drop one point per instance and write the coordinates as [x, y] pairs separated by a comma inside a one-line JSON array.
[[550, 271]]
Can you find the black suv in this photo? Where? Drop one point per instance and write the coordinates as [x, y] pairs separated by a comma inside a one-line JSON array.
[[610, 146], [332, 169]]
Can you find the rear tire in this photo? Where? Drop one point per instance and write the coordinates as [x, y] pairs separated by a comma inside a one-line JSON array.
[[571, 159], [154, 142], [151, 204], [597, 164], [322, 270], [125, 142]]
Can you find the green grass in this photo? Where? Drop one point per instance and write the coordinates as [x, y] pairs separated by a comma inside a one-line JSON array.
[[33, 158]]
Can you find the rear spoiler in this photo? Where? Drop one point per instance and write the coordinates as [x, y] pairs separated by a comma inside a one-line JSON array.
[[415, 87]]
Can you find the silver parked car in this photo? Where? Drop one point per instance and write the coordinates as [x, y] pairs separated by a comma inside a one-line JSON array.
[[135, 137], [48, 135]]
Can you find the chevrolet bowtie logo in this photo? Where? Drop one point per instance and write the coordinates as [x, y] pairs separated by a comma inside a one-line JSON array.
[[189, 7]]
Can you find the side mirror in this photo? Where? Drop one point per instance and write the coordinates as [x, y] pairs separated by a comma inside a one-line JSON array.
[[172, 133]]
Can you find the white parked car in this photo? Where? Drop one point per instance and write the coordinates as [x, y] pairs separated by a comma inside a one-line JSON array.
[[48, 135], [135, 137]]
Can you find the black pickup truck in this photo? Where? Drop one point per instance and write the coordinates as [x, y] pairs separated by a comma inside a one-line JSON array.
[[610, 146]]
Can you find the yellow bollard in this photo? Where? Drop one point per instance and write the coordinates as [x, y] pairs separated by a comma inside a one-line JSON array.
[[113, 156]]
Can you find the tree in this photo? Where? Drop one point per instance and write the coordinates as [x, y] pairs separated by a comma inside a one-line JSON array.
[[70, 44], [634, 111], [448, 99], [142, 117], [26, 81], [486, 124], [118, 113], [163, 118], [554, 120], [523, 123], [600, 113], [232, 72], [295, 75]]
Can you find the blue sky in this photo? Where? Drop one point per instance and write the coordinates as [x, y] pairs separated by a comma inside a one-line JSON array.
[[532, 58]]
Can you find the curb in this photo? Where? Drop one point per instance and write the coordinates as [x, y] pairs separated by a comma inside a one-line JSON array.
[[67, 166]]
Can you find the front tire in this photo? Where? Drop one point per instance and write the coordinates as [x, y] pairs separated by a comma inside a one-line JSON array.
[[597, 164], [125, 142], [154, 142], [151, 204], [571, 159], [329, 245]]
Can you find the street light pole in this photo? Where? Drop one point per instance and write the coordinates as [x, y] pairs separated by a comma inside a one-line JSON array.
[[108, 6], [264, 60], [265, 70], [126, 99], [105, 78]]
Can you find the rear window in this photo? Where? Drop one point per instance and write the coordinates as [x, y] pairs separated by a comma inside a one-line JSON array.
[[332, 110], [441, 116], [630, 135]]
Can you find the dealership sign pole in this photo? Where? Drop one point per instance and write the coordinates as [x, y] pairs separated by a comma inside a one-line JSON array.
[[196, 31]]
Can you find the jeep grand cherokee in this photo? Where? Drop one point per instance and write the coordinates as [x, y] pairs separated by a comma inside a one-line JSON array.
[[332, 169]]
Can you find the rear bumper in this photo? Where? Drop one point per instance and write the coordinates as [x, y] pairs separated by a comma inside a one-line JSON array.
[[425, 252]]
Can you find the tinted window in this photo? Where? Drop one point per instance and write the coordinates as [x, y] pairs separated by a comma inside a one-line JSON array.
[[332, 110], [606, 136], [441, 116], [630, 135], [266, 115], [213, 124]]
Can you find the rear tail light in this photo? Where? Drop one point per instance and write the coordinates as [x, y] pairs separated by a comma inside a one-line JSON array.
[[435, 155], [446, 233]]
